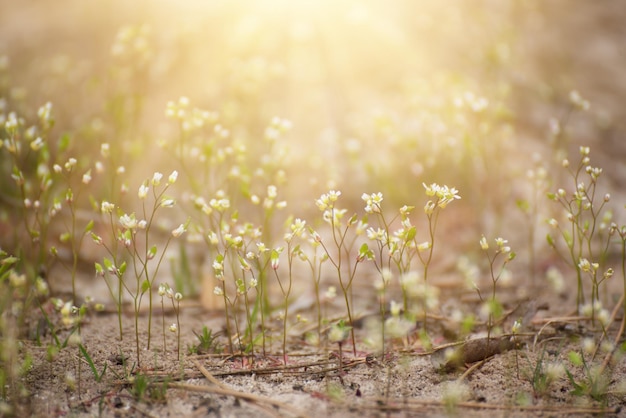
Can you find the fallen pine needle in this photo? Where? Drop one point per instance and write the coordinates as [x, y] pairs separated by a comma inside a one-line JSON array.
[[237, 394], [399, 405]]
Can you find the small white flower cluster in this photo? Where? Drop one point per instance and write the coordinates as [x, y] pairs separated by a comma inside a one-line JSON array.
[[577, 100], [326, 203], [419, 291], [500, 244], [444, 196], [587, 267], [132, 42], [595, 310], [220, 203], [276, 128], [297, 229], [474, 102], [167, 291], [270, 201], [194, 119], [372, 202], [327, 200]]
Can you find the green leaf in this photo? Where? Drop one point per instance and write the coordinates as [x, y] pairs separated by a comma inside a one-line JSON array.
[[578, 389], [99, 269], [65, 237], [95, 206], [364, 250], [145, 286], [122, 268], [89, 226], [575, 358], [496, 308], [511, 255], [9, 260], [523, 205], [107, 263], [92, 366], [410, 234], [63, 143], [243, 264]]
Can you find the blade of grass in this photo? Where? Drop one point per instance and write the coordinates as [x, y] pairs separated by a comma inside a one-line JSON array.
[[92, 366]]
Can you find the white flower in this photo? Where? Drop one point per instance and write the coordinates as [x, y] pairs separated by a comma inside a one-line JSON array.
[[172, 178], [579, 102], [432, 189], [423, 246], [104, 150], [37, 144], [334, 195], [162, 289], [376, 234], [372, 202], [178, 231], [584, 265], [128, 221], [168, 203], [298, 226], [213, 238], [70, 164], [395, 308], [143, 191], [156, 178], [429, 207]]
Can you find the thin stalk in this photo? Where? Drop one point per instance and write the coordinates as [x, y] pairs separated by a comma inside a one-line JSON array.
[[248, 314]]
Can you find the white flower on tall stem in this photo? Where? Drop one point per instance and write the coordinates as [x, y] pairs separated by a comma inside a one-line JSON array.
[[128, 221], [179, 231]]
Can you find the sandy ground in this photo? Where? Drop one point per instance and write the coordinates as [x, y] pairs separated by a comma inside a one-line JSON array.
[[405, 382]]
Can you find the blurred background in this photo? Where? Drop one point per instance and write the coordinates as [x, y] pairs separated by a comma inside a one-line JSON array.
[[358, 96]]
